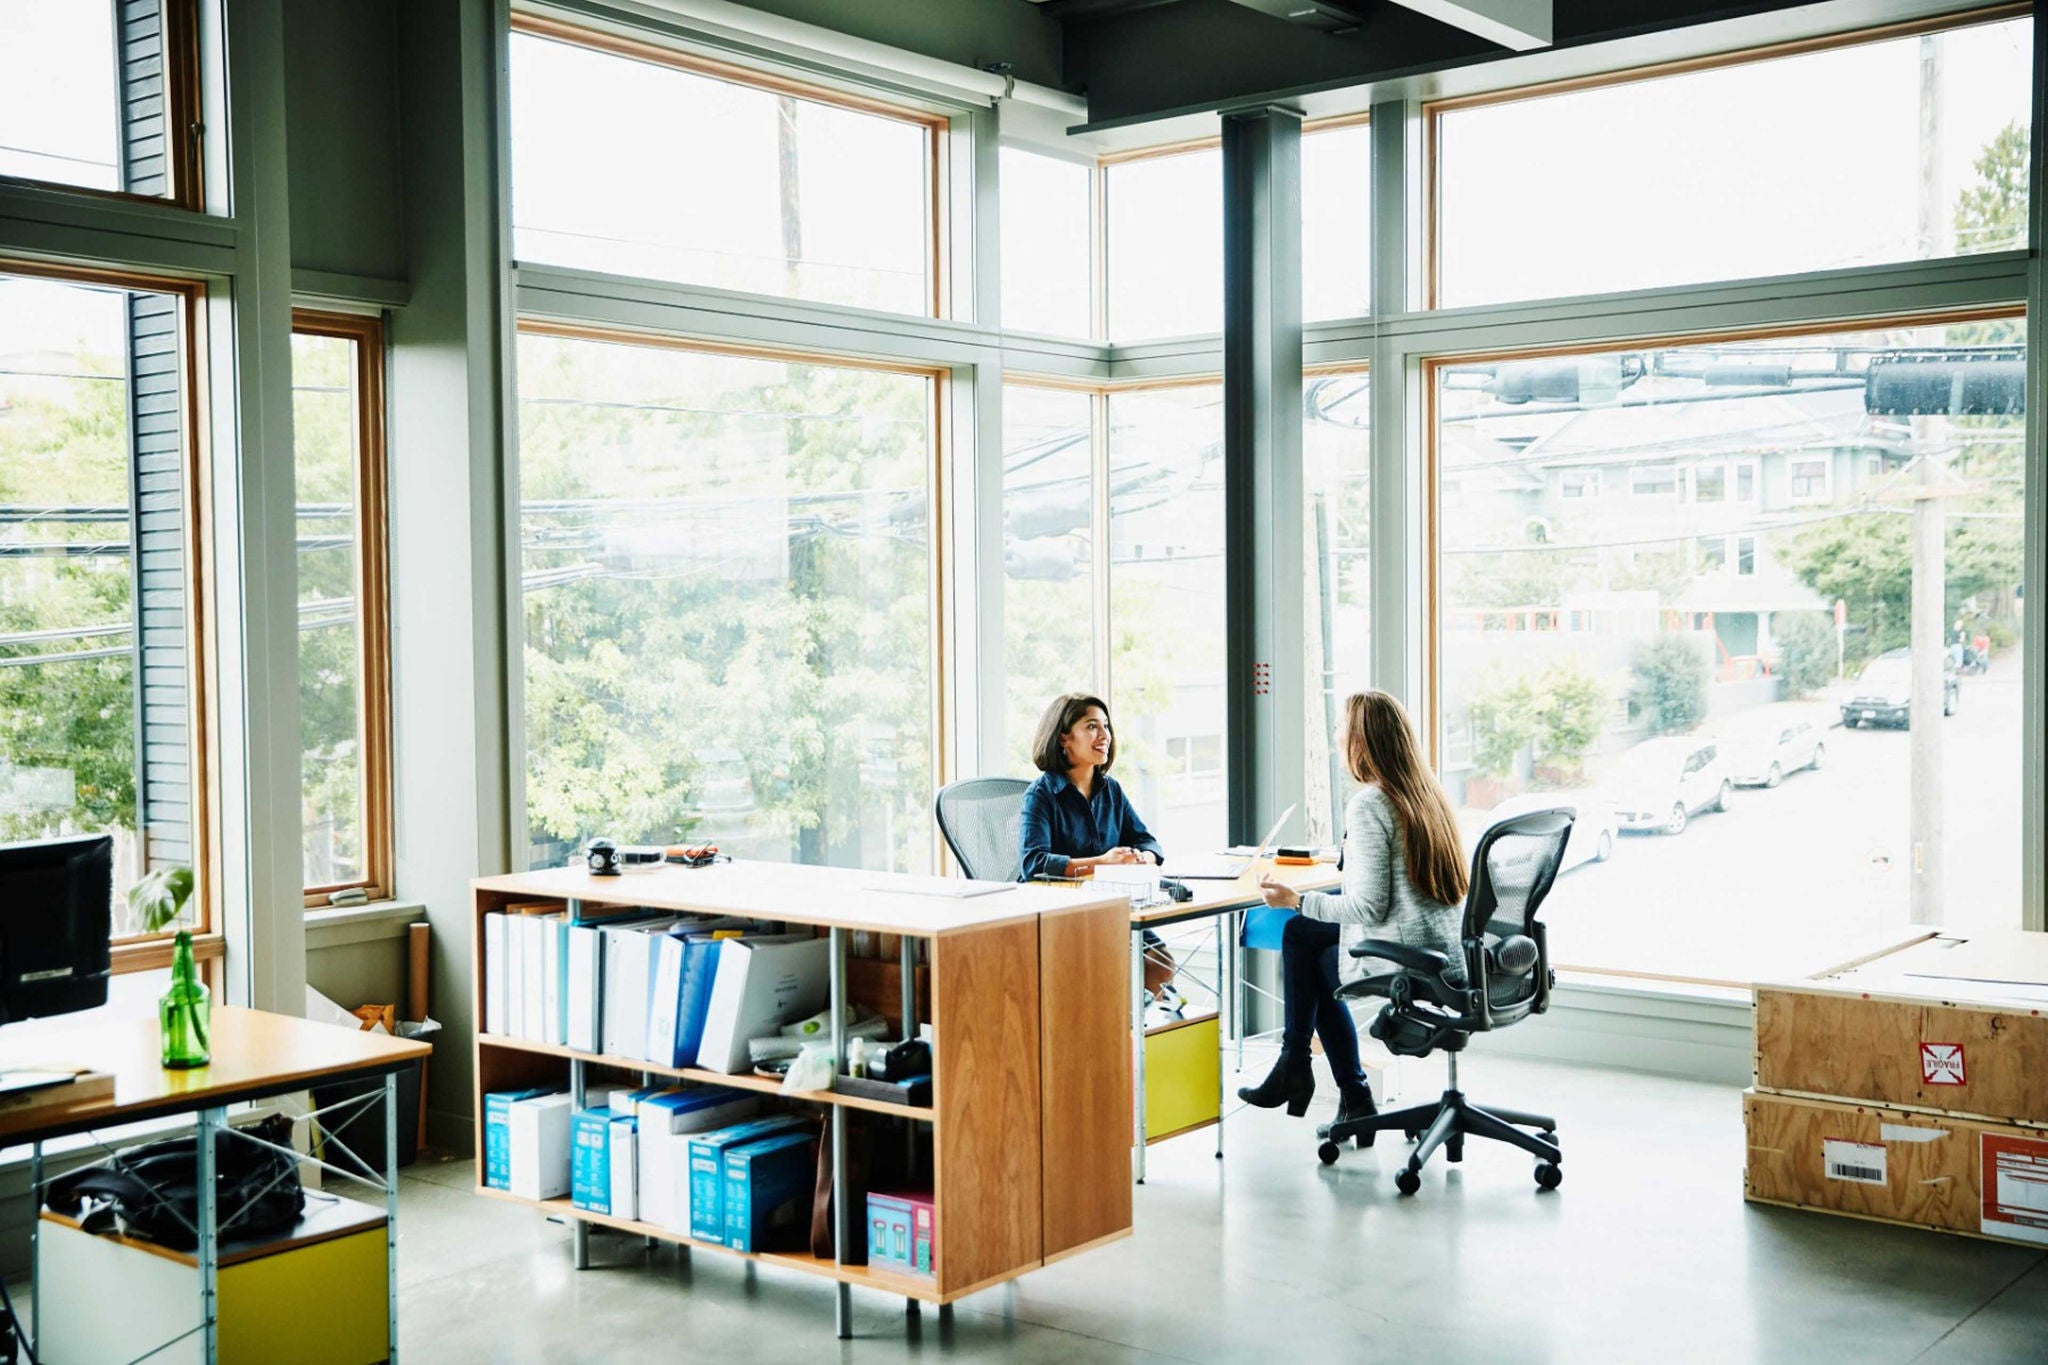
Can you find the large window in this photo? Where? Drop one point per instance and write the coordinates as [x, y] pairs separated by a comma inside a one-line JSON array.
[[1336, 443], [1048, 231], [728, 576], [1723, 686], [1049, 601], [1163, 226], [344, 714], [637, 161], [1906, 148], [1336, 221], [93, 95], [1166, 608], [98, 680], [1164, 234]]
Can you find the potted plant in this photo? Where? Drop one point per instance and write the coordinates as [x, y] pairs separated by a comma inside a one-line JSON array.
[[184, 1010]]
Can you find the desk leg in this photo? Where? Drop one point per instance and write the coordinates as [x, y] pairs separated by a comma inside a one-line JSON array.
[[35, 1247], [209, 1125], [1237, 1004], [391, 1217], [1138, 1055], [1226, 973], [842, 1215], [579, 1231]]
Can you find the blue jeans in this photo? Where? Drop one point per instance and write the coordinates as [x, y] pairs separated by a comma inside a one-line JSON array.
[[1308, 982]]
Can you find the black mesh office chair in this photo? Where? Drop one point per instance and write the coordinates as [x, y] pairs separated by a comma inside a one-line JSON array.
[[979, 818], [1435, 1003]]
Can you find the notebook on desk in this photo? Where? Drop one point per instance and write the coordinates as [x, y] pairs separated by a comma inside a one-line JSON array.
[[1227, 867]]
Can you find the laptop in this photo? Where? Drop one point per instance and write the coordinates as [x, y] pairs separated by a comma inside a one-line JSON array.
[[1226, 867]]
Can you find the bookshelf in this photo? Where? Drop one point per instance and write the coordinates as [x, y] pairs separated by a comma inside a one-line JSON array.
[[1030, 1120]]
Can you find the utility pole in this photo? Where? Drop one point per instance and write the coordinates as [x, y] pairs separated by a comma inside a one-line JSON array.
[[1933, 222], [1929, 627]]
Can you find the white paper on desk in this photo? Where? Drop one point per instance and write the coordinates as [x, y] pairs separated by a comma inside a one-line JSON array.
[[1135, 880]]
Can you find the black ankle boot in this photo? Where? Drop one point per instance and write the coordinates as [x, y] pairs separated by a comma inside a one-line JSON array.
[[1291, 1082], [1354, 1102]]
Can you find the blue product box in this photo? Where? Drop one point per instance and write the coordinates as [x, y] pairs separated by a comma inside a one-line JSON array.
[[590, 1160], [768, 1190], [498, 1134], [707, 1169]]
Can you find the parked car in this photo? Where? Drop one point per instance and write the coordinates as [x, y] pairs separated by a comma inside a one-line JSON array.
[[1593, 827], [1883, 694], [1662, 783], [1761, 752]]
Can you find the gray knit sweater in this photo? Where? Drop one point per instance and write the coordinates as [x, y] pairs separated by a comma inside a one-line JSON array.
[[1377, 900]]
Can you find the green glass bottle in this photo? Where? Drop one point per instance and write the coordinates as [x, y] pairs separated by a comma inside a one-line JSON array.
[[184, 1013]]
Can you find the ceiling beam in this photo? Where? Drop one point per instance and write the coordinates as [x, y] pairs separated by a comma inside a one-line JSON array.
[[1522, 25]]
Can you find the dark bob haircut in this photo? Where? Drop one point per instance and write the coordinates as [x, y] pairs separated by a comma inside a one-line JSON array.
[[1063, 715]]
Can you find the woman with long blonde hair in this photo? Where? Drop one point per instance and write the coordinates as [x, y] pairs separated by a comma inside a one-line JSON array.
[[1403, 878]]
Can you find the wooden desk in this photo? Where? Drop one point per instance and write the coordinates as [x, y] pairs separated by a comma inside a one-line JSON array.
[[256, 1055], [1032, 1085]]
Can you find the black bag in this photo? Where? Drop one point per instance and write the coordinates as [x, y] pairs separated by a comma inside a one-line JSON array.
[[154, 1190]]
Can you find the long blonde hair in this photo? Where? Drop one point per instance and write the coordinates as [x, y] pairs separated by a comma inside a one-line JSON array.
[[1380, 747]]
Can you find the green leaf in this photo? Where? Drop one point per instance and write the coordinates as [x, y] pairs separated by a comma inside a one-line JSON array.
[[159, 898]]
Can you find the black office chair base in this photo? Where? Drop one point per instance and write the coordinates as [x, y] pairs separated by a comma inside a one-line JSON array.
[[1447, 1124]]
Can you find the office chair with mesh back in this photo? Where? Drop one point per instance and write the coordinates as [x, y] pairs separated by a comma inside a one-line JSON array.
[[979, 819], [1433, 1002]]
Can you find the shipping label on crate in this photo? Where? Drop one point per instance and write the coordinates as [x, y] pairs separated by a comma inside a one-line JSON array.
[[1942, 1064], [1862, 1162], [2015, 1172]]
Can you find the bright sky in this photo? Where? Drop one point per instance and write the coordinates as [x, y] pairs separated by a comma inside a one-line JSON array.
[[1804, 163], [57, 91]]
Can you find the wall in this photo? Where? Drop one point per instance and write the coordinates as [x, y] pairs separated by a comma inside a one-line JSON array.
[[342, 137]]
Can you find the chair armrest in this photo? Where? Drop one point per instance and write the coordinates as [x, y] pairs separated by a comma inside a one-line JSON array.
[[1415, 959]]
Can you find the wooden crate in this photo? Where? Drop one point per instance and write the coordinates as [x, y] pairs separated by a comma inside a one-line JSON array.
[[1898, 1166], [1947, 1024]]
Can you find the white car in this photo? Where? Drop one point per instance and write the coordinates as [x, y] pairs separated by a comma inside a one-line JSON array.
[[1662, 783], [1593, 826], [1762, 755]]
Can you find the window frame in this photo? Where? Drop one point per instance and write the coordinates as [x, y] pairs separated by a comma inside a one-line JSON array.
[[939, 292], [1794, 497], [184, 151], [1433, 111], [941, 591], [365, 333], [1430, 618], [146, 952]]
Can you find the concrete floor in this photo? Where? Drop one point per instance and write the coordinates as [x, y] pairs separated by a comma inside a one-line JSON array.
[[1647, 1253]]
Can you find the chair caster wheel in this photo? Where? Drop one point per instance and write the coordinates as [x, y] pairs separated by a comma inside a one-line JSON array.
[[1328, 1153], [1407, 1182], [1548, 1176]]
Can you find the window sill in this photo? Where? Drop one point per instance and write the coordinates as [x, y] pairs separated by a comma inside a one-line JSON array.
[[340, 926]]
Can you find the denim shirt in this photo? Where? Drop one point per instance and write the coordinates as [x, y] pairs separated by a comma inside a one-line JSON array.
[[1058, 824]]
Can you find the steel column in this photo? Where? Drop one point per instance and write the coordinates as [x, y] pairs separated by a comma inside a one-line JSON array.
[[1264, 564]]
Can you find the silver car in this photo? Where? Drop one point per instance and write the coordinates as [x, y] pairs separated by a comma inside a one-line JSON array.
[[1763, 755]]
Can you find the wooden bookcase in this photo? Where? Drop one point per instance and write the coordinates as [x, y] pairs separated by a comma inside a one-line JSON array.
[[1026, 994]]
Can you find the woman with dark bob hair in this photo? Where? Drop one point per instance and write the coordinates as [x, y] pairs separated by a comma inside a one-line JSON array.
[[1076, 816]]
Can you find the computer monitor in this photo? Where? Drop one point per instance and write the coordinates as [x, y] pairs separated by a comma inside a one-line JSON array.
[[56, 908]]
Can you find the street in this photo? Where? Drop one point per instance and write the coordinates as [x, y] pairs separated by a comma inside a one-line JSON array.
[[1792, 880]]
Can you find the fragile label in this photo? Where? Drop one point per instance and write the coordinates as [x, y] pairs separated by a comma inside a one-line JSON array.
[[1941, 1063], [2016, 1188], [1861, 1162]]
